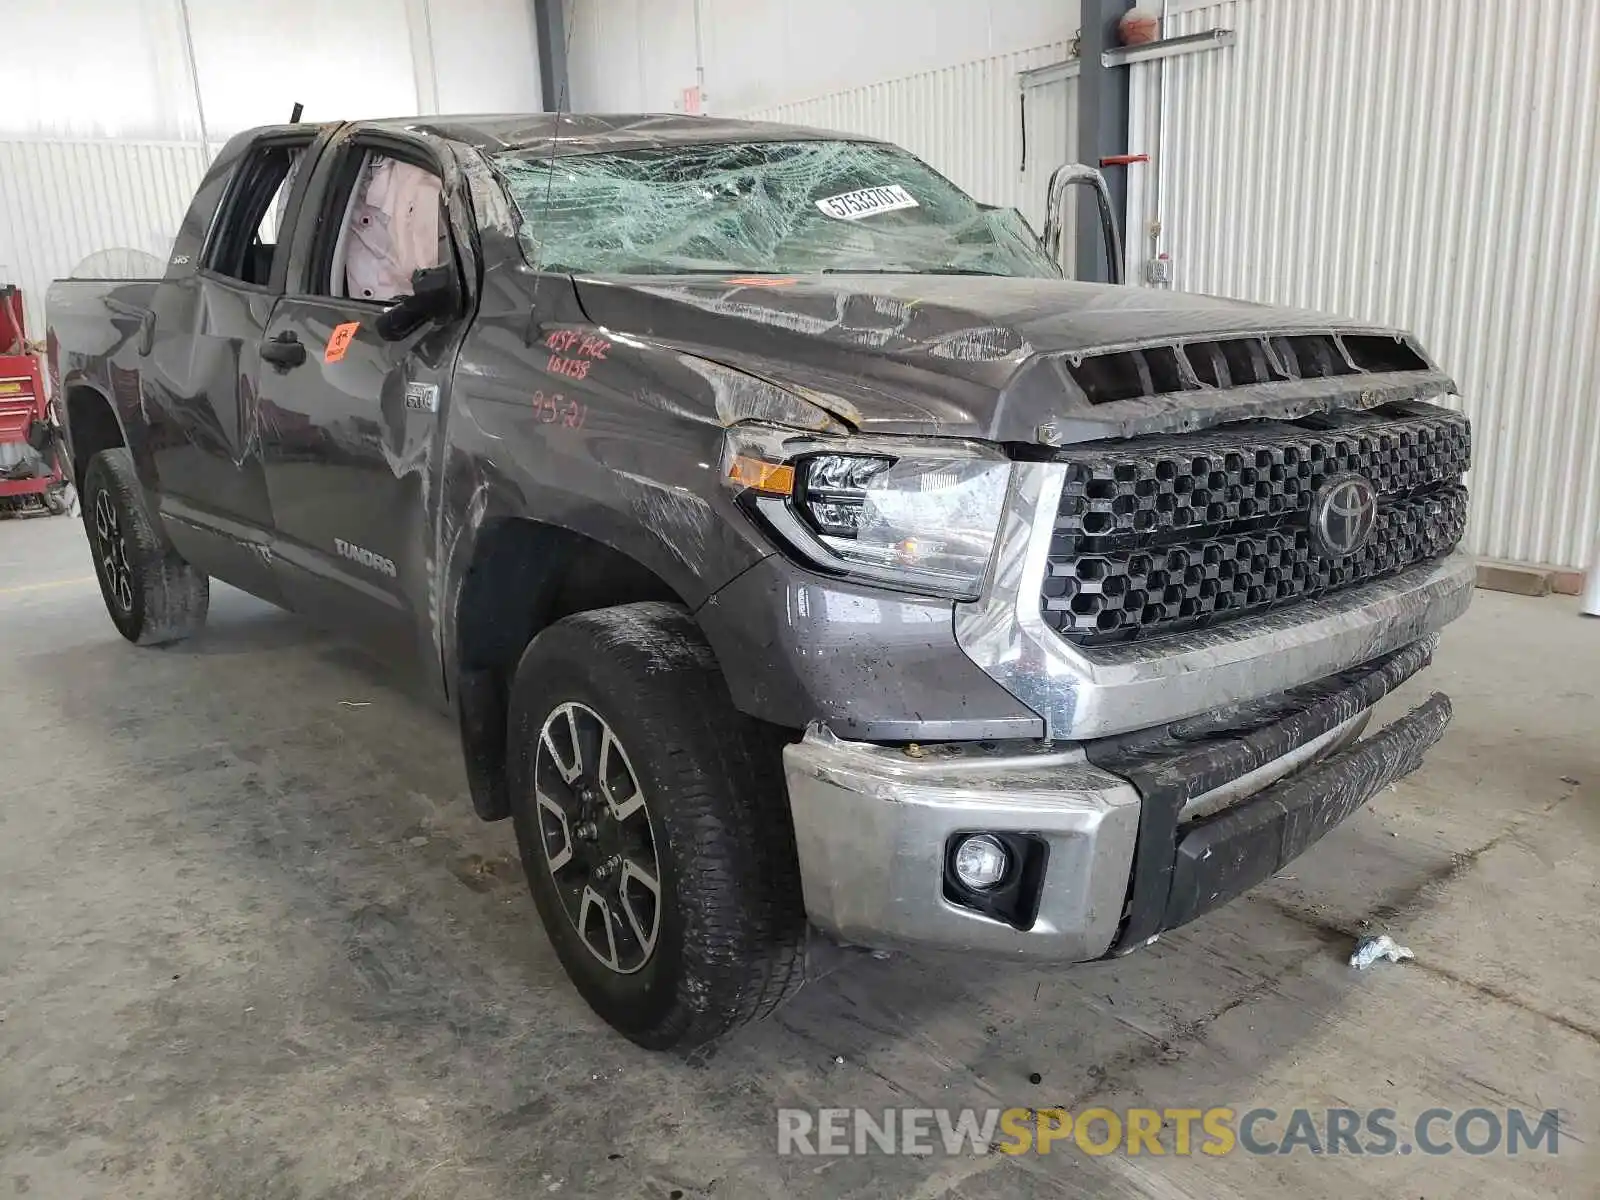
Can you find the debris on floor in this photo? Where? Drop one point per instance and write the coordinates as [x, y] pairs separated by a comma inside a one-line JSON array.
[[1370, 949]]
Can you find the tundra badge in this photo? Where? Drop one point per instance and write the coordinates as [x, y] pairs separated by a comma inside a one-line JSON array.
[[365, 557]]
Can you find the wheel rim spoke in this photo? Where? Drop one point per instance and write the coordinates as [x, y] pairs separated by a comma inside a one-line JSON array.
[[591, 905], [570, 763], [617, 781], [633, 873], [588, 735], [549, 810]]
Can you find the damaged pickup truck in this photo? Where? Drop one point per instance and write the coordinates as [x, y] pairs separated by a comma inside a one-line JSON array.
[[797, 549]]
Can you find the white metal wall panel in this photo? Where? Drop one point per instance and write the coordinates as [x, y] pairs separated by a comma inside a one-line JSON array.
[[965, 121], [62, 201], [1431, 163], [639, 55]]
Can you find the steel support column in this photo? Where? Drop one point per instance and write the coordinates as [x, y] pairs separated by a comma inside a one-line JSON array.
[[1102, 125], [549, 28]]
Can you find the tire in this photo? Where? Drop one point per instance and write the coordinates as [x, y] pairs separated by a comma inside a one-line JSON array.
[[723, 940], [152, 595]]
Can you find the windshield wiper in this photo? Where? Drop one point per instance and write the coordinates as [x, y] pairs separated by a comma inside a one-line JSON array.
[[910, 271]]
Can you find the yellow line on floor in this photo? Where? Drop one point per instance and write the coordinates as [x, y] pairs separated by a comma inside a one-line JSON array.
[[54, 583]]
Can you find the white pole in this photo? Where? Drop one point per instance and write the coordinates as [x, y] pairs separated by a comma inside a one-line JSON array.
[[699, 60], [194, 78]]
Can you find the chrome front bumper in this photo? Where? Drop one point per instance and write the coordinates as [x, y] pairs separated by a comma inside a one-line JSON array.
[[1090, 693], [872, 825]]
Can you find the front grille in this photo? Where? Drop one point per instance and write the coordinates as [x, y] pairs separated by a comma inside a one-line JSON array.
[[1159, 535]]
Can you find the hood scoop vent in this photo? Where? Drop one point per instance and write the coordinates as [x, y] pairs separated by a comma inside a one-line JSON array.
[[1237, 362]]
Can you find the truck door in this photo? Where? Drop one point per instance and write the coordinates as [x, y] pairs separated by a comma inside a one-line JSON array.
[[351, 418], [199, 358]]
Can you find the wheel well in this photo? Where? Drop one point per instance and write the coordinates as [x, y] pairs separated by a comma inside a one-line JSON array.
[[93, 426], [525, 575]]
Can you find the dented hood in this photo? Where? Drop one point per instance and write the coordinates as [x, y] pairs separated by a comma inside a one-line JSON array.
[[973, 356]]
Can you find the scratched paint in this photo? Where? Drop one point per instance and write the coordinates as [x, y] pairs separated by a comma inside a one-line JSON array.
[[678, 517], [741, 397]]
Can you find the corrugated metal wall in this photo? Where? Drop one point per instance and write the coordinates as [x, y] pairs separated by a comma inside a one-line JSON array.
[[1432, 163], [62, 201], [965, 121]]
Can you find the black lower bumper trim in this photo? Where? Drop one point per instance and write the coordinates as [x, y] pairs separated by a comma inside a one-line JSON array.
[[1223, 856], [1174, 764]]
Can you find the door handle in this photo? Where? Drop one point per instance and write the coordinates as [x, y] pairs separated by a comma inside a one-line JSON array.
[[283, 351], [147, 334]]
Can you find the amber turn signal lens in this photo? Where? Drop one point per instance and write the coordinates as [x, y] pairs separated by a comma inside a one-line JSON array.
[[772, 479]]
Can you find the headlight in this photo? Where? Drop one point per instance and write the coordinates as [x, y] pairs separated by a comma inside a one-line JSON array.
[[921, 516]]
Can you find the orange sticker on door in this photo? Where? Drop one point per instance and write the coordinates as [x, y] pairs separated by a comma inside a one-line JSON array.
[[339, 341]]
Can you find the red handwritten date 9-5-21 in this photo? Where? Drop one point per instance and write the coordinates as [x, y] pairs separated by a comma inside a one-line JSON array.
[[554, 408]]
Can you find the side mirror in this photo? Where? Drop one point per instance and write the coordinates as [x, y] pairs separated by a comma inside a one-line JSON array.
[[434, 297]]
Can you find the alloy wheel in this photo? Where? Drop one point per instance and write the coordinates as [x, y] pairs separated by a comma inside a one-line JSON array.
[[112, 549], [597, 837]]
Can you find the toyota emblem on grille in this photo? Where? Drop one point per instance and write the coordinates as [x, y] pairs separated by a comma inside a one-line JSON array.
[[1344, 512]]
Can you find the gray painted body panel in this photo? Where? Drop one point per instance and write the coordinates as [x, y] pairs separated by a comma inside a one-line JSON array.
[[869, 665]]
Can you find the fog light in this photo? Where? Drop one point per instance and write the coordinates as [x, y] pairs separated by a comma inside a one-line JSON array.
[[981, 862]]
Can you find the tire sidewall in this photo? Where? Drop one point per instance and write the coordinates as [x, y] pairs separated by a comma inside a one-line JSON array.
[[639, 1002]]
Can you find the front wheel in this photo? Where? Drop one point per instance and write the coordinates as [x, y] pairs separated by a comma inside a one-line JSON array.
[[654, 827], [151, 594]]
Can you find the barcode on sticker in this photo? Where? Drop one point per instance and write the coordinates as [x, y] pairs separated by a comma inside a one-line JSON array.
[[864, 202]]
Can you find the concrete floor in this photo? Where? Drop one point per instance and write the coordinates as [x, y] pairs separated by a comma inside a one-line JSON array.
[[253, 943]]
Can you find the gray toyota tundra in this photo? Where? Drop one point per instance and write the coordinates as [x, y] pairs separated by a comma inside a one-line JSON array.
[[805, 561]]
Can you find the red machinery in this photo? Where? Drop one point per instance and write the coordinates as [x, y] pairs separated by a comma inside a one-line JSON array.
[[27, 464]]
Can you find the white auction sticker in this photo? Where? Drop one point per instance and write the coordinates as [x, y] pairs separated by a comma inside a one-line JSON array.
[[852, 206]]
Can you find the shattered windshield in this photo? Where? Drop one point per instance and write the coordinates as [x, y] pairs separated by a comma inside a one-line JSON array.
[[790, 207]]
